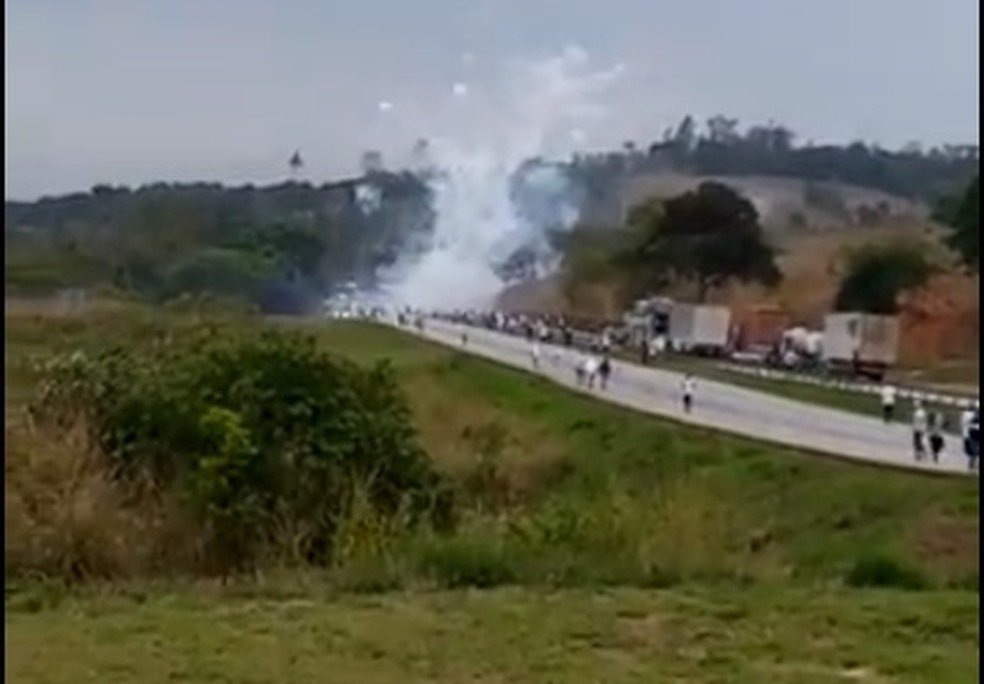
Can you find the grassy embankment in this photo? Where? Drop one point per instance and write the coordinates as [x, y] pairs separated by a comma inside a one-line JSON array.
[[607, 546]]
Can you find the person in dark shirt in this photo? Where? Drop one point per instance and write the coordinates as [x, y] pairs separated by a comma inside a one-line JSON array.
[[604, 372]]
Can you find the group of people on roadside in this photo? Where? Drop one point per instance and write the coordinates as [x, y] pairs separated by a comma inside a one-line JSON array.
[[928, 427], [595, 370]]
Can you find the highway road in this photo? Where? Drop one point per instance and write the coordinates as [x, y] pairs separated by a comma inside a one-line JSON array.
[[717, 405]]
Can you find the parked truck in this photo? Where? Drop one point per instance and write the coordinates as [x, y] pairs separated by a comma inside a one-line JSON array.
[[860, 344], [700, 328], [647, 319]]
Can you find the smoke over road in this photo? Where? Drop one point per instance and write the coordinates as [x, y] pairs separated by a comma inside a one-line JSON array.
[[489, 167]]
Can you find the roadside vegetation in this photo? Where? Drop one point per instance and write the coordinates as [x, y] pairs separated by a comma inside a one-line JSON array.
[[151, 454]]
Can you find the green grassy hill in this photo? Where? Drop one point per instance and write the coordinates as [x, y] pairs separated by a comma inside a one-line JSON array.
[[594, 545]]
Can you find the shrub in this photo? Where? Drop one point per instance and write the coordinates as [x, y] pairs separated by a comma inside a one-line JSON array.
[[476, 560], [878, 570], [255, 431]]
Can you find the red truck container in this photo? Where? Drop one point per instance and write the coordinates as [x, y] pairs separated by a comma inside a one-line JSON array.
[[762, 326]]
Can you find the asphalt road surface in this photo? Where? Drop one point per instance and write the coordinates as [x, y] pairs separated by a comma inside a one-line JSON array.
[[717, 405]]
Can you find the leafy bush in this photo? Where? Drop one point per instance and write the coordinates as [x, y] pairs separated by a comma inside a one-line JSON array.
[[258, 432], [878, 570], [477, 560]]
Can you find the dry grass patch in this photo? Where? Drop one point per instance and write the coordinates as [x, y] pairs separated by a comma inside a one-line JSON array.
[[465, 433], [66, 516]]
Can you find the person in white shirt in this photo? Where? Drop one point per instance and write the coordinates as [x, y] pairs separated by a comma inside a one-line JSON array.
[[590, 370], [659, 345], [888, 393], [919, 424], [535, 355], [688, 385]]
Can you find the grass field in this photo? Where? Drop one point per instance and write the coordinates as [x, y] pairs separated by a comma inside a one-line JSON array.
[[724, 635], [595, 545]]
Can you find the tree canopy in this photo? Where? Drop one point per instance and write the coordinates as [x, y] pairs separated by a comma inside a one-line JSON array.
[[963, 215], [877, 274], [709, 236]]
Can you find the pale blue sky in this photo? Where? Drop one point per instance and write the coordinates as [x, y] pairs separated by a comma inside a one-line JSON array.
[[129, 91]]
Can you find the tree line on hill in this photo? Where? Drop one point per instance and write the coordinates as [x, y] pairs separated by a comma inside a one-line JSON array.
[[721, 148], [285, 245], [281, 246]]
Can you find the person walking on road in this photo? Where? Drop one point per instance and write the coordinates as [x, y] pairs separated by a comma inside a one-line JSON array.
[[936, 441], [975, 438], [658, 346], [535, 355], [604, 372], [688, 385], [919, 425], [590, 371], [888, 393], [580, 369], [970, 432]]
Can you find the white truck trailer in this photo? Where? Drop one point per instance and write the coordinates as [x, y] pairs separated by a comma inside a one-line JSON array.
[[700, 328], [861, 344]]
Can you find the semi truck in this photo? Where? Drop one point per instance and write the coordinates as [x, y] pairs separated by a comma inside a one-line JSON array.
[[697, 328], [860, 344]]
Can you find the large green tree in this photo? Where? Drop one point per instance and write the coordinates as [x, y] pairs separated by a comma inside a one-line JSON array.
[[877, 274], [964, 216], [709, 236]]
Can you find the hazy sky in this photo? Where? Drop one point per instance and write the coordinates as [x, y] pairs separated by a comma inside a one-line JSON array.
[[130, 91]]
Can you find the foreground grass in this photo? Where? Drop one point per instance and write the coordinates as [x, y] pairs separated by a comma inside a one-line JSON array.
[[509, 635]]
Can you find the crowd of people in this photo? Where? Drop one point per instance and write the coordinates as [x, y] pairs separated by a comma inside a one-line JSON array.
[[592, 368], [929, 426]]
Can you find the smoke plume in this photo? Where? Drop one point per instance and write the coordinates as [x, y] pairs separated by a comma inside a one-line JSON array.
[[496, 186]]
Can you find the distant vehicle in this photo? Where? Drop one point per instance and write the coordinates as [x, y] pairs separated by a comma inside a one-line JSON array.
[[647, 319], [860, 344], [700, 328]]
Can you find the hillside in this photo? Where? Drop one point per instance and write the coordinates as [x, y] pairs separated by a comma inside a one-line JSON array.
[[789, 204], [639, 545]]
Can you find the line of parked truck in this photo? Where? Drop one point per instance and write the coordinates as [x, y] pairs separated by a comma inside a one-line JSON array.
[[852, 343]]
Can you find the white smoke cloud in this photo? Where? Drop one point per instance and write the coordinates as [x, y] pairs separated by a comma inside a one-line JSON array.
[[537, 111]]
